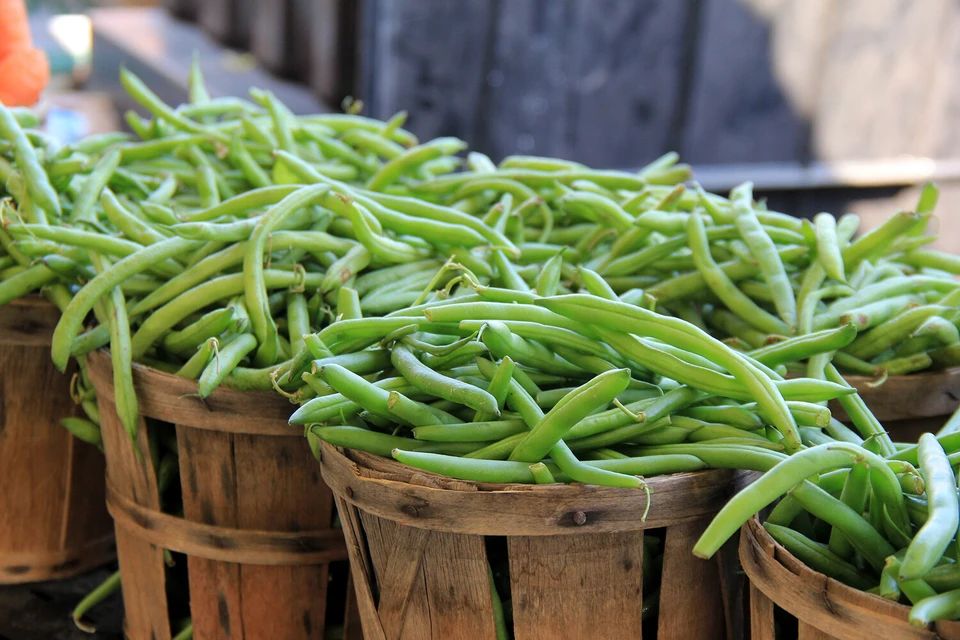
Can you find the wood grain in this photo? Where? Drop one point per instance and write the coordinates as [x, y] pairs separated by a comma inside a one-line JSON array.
[[549, 510], [173, 399], [738, 111], [257, 517], [54, 520], [687, 579], [426, 57], [587, 586], [821, 602], [419, 554], [919, 395]]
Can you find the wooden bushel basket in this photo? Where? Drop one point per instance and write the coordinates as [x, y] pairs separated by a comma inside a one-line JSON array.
[[257, 517], [53, 521], [418, 554], [824, 608], [908, 406]]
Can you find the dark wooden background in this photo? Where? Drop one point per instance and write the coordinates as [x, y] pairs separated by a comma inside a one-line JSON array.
[[787, 93]]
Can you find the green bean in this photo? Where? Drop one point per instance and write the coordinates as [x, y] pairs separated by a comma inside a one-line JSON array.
[[721, 285], [124, 393], [548, 282], [470, 431], [873, 243], [765, 252], [75, 313], [616, 315], [208, 326], [220, 288], [195, 365], [802, 347], [940, 529], [932, 259], [731, 324], [943, 606], [732, 415], [255, 290], [84, 430], [789, 473], [828, 247], [587, 474], [439, 385], [872, 314], [149, 100], [92, 185], [595, 394], [25, 282], [226, 360], [37, 182], [498, 471], [860, 414], [411, 159], [126, 222], [104, 590], [817, 556]]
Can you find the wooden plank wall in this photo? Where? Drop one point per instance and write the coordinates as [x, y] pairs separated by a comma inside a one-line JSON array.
[[617, 82]]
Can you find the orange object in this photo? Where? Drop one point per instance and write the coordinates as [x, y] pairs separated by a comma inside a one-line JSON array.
[[24, 71]]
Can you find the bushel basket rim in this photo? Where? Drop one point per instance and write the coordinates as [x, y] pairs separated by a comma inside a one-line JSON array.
[[839, 611], [394, 491]]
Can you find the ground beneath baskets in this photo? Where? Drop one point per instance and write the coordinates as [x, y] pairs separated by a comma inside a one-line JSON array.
[[41, 611]]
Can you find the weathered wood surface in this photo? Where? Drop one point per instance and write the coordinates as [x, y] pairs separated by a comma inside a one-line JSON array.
[[420, 557], [615, 83], [550, 510], [53, 521], [826, 608], [925, 394], [257, 518]]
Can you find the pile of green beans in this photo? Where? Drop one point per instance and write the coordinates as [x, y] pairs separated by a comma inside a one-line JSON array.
[[886, 524], [750, 276], [536, 321], [572, 387]]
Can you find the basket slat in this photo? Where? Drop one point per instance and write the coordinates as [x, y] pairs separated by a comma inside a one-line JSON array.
[[587, 586], [456, 585], [422, 573], [141, 563], [302, 590], [686, 576], [761, 615]]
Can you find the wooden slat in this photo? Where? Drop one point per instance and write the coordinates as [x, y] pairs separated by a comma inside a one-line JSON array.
[[761, 616], [739, 107], [526, 104], [170, 398], [426, 56], [413, 622], [209, 482], [401, 570], [626, 80], [362, 580], [689, 584], [587, 586], [457, 586], [142, 571], [293, 499], [822, 602], [809, 632], [352, 624]]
